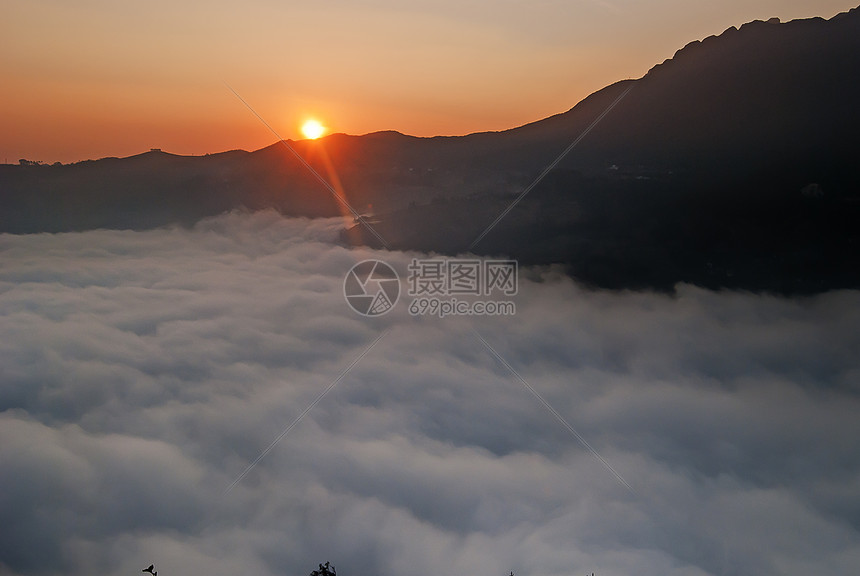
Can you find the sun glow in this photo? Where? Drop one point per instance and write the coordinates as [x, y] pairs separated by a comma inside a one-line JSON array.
[[312, 129]]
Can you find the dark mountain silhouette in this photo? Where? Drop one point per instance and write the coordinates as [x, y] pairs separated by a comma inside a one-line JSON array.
[[735, 163]]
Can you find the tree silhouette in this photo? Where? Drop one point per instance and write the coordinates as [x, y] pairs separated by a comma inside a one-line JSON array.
[[325, 570]]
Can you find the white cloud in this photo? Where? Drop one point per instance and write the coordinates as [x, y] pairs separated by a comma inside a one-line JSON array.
[[141, 372]]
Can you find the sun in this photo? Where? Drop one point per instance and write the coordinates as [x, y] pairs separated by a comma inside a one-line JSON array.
[[312, 129]]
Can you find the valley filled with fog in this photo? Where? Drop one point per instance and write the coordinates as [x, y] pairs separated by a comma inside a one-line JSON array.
[[141, 372]]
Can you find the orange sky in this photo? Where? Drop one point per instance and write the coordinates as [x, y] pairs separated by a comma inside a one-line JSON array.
[[95, 78]]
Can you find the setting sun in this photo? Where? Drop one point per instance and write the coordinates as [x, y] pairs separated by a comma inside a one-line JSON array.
[[313, 129]]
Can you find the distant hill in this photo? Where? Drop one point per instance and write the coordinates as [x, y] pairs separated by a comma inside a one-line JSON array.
[[735, 163]]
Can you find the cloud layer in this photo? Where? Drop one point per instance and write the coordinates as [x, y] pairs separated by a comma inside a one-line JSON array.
[[142, 372]]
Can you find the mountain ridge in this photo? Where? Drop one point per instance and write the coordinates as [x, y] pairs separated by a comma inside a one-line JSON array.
[[696, 175]]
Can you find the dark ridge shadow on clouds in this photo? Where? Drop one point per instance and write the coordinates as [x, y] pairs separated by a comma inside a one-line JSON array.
[[141, 372]]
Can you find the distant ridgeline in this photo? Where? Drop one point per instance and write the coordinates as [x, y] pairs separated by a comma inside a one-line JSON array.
[[734, 164]]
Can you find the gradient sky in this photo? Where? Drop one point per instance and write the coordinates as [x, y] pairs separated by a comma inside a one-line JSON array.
[[97, 78]]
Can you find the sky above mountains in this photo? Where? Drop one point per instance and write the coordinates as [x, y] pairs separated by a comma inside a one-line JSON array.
[[100, 78]]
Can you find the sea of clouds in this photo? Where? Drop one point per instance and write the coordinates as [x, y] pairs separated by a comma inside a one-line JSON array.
[[142, 372]]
